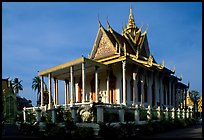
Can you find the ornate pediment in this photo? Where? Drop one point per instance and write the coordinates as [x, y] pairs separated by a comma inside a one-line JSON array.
[[105, 48]]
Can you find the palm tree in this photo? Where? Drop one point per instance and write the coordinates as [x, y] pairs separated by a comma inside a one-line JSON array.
[[36, 86], [16, 85]]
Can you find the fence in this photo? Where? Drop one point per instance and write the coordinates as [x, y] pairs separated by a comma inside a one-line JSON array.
[[112, 113]]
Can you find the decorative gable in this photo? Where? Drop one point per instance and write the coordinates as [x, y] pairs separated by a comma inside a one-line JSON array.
[[144, 50], [105, 48]]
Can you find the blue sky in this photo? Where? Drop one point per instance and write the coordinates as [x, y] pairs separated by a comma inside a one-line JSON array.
[[40, 35]]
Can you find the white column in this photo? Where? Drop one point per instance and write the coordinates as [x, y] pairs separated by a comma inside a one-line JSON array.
[[42, 85], [149, 96], [170, 93], [124, 81], [136, 91], [157, 88], [161, 92], [134, 88], [174, 105], [72, 85], [166, 94], [66, 82], [83, 82], [142, 89], [56, 92], [24, 114], [108, 87], [96, 82], [50, 90]]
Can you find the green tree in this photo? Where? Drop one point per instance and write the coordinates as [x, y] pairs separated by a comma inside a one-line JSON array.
[[16, 84], [36, 86], [194, 96]]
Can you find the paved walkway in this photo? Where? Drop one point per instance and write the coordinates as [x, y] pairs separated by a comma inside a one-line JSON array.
[[192, 132]]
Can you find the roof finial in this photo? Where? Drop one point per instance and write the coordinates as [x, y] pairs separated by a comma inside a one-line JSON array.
[[162, 65], [130, 8], [174, 69], [108, 23], [131, 22], [99, 21], [181, 77], [147, 27]]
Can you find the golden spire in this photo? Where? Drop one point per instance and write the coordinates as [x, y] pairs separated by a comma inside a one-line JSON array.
[[131, 22]]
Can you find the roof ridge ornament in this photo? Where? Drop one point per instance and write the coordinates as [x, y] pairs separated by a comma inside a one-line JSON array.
[[162, 65], [109, 27], [99, 22], [150, 60], [174, 69], [147, 28], [137, 54], [181, 77]]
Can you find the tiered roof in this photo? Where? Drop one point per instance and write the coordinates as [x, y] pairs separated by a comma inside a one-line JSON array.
[[110, 46]]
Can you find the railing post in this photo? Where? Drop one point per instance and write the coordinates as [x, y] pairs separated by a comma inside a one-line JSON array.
[[178, 113], [24, 114], [38, 114], [136, 114], [149, 113], [121, 114], [159, 112], [166, 113], [99, 113], [74, 113], [187, 113], [183, 113], [54, 114], [173, 113], [191, 113]]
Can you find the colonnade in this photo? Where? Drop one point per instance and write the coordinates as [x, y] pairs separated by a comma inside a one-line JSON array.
[[156, 91]]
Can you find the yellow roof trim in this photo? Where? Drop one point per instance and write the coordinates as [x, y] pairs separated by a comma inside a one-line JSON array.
[[61, 66], [115, 60], [69, 64], [108, 58]]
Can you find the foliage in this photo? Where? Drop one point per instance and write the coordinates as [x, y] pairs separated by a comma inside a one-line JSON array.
[[53, 130], [36, 86], [83, 132], [154, 115], [107, 131], [143, 114], [30, 117], [29, 129], [129, 116], [111, 116], [16, 85]]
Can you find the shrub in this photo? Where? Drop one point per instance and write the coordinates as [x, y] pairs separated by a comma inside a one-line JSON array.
[[143, 114], [29, 129], [111, 117], [129, 116], [107, 131], [83, 132]]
